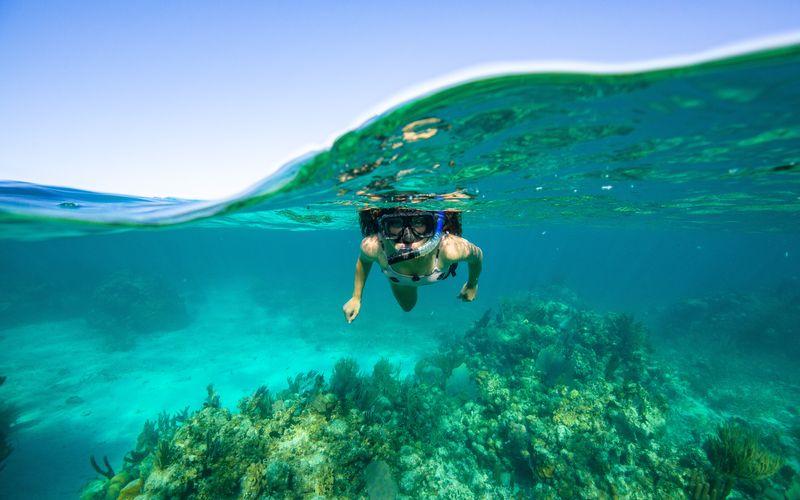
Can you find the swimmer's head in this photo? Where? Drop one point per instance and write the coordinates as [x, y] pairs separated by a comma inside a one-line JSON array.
[[413, 235], [408, 228], [369, 220]]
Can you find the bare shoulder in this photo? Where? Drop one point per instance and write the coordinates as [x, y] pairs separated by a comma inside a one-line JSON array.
[[370, 246], [456, 248]]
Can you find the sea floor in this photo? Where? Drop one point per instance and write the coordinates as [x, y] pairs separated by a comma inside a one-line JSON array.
[[760, 389], [81, 396]]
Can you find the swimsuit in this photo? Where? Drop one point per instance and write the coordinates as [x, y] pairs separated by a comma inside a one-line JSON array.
[[435, 276]]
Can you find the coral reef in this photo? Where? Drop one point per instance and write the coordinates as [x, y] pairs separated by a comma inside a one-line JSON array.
[[736, 451], [31, 294], [738, 459], [763, 321], [709, 487], [127, 303], [539, 400]]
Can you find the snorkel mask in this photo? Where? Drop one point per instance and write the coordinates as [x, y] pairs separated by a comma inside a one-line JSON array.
[[410, 228]]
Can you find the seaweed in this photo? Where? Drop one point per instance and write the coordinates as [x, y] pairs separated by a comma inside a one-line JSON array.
[[153, 433], [164, 454], [259, 405], [377, 395], [306, 384], [384, 379], [345, 381], [107, 472], [212, 399], [736, 451]]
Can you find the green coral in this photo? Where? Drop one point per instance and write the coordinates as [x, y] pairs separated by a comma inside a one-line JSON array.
[[212, 398], [736, 451], [345, 381], [164, 454], [259, 405]]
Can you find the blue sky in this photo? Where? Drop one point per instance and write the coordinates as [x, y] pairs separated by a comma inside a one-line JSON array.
[[201, 99]]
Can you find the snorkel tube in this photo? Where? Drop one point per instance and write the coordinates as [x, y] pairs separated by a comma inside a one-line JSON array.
[[424, 249]]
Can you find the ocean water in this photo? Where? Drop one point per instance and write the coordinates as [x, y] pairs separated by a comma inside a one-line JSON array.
[[639, 304]]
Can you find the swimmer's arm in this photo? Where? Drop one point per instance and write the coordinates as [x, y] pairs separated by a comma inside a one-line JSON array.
[[459, 249], [363, 267], [474, 257], [369, 252], [369, 249]]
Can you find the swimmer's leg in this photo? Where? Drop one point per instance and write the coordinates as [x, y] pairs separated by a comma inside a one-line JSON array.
[[406, 296]]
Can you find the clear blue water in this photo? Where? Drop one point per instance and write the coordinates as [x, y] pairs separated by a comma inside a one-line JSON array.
[[644, 193]]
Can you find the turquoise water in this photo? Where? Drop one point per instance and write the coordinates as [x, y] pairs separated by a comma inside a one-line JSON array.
[[671, 196]]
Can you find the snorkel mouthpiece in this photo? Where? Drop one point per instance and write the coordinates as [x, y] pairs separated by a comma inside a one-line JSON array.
[[409, 253]]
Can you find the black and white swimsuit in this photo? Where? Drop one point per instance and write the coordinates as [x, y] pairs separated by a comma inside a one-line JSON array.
[[435, 276]]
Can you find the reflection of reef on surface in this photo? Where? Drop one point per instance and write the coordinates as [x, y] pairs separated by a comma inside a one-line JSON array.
[[127, 303], [538, 399]]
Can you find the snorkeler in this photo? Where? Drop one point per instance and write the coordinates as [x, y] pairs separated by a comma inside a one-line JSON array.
[[413, 248]]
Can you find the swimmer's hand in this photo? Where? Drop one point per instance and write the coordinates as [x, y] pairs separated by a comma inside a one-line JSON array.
[[468, 293], [351, 309]]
